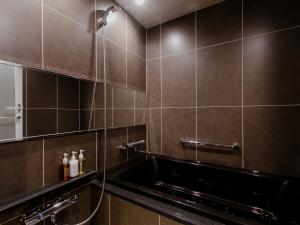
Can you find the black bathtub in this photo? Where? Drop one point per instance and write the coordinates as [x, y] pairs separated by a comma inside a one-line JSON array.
[[226, 195]]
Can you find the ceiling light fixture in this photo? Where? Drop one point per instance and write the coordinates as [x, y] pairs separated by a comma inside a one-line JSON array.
[[139, 2]]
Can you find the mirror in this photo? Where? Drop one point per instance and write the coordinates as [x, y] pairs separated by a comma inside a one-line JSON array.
[[35, 102]]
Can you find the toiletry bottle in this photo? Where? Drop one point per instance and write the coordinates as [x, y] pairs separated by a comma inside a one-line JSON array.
[[66, 167], [82, 163], [73, 165]]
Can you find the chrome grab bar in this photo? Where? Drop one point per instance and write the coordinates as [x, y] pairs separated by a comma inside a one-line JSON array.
[[189, 142], [132, 145], [50, 210]]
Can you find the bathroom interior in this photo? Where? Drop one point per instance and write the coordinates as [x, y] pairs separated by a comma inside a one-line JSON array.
[[149, 112]]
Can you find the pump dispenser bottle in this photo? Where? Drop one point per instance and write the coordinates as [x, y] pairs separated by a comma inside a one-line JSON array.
[[66, 167], [82, 163], [73, 165]]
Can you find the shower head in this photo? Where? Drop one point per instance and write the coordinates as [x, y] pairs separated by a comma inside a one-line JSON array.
[[102, 21]]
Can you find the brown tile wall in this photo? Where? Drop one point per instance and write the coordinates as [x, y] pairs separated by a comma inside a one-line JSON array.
[[224, 74], [116, 211], [60, 37]]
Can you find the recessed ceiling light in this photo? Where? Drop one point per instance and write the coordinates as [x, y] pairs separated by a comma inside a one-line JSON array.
[[139, 2]]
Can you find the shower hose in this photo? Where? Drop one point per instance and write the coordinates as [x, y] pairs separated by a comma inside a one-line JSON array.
[[90, 122]]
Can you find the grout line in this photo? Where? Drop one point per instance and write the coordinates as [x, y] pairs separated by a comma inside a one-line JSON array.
[[229, 106], [26, 91], [287, 105], [127, 140], [146, 96], [196, 82], [43, 162], [179, 107], [108, 209], [69, 18], [222, 43], [97, 151], [195, 49], [126, 45], [56, 103], [54, 108], [243, 160], [124, 48], [112, 105], [96, 46], [79, 106], [43, 63], [270, 32], [134, 108], [161, 100]]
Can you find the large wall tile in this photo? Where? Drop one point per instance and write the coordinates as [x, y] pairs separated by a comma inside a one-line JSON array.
[[139, 116], [153, 42], [154, 130], [136, 72], [87, 119], [68, 120], [100, 58], [41, 121], [269, 15], [219, 75], [178, 35], [271, 69], [123, 213], [21, 165], [220, 126], [140, 99], [102, 217], [176, 124], [178, 80], [123, 98], [167, 221], [153, 83], [219, 23], [123, 117], [68, 47], [99, 96], [99, 118], [41, 89], [115, 63], [109, 100], [116, 29], [86, 94], [271, 139], [21, 32], [114, 155], [136, 37], [68, 92], [82, 11], [56, 147]]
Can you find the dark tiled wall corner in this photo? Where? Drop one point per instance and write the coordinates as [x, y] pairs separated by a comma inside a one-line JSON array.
[[225, 74], [116, 137]]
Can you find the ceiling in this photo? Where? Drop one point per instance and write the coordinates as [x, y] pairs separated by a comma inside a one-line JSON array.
[[154, 12]]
